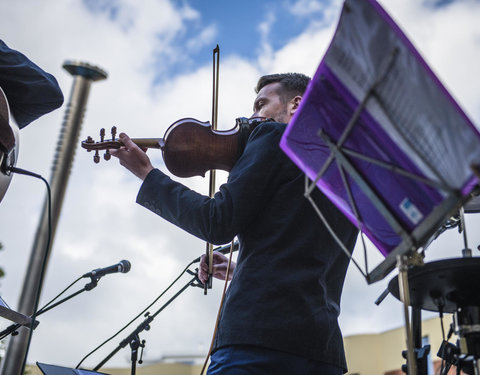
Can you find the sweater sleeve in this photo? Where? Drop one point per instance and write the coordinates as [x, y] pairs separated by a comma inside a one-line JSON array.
[[219, 219], [31, 92]]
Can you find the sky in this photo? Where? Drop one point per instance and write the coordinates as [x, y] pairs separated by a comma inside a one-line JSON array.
[[158, 56]]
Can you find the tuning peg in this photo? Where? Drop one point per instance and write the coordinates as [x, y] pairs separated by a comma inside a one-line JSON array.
[[114, 132], [102, 134], [89, 140], [107, 155], [96, 157]]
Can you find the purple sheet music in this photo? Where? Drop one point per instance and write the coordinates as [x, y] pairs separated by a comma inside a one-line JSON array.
[[410, 121]]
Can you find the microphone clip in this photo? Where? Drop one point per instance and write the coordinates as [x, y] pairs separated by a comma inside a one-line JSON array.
[[92, 284]]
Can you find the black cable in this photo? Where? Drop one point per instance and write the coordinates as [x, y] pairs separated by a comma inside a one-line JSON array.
[[443, 364], [15, 327], [45, 258], [10, 330], [136, 317], [58, 296]]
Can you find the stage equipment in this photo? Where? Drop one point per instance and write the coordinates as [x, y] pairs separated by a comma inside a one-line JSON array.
[[59, 370], [84, 74], [133, 339], [123, 266], [9, 138], [450, 286], [12, 315], [22, 320], [382, 138], [378, 133]]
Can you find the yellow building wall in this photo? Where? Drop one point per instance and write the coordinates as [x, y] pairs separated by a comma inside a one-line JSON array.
[[376, 354]]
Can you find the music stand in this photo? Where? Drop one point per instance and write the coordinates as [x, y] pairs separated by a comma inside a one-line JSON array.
[[12, 315], [59, 370], [379, 135]]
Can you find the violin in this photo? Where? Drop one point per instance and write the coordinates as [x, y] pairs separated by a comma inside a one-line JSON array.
[[189, 147]]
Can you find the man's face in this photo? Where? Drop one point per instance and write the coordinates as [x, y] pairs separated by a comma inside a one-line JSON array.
[[269, 104]]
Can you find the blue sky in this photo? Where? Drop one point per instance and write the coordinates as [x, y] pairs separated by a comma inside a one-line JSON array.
[[248, 29], [158, 56], [240, 28]]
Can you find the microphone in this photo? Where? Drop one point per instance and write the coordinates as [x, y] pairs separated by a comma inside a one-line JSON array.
[[123, 266], [221, 249]]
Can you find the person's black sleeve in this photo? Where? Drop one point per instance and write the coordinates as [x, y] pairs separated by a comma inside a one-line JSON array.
[[219, 219], [31, 92]]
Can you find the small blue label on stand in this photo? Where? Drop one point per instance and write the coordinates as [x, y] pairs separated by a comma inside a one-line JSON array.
[[411, 211]]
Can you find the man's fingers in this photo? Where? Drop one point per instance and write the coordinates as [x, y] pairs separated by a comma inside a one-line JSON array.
[[127, 142]]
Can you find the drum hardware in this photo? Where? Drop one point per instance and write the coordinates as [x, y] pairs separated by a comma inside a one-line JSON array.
[[421, 359], [466, 353], [449, 354], [450, 286]]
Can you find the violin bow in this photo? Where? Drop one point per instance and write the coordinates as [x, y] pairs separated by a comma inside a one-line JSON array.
[[209, 246]]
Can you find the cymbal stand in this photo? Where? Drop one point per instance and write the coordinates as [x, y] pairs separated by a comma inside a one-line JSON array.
[[402, 264], [466, 252], [466, 354], [467, 327]]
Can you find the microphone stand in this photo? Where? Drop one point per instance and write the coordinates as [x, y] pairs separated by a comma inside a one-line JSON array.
[[133, 338], [11, 330]]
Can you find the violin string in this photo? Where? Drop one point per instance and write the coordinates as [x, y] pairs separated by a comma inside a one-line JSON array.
[[219, 310]]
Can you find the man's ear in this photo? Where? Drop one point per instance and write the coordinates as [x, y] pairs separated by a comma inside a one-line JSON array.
[[295, 103]]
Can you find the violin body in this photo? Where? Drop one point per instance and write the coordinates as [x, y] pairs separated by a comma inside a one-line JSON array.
[[192, 148], [189, 147]]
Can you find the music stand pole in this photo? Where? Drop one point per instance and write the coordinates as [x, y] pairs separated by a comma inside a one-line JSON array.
[[133, 338], [402, 264]]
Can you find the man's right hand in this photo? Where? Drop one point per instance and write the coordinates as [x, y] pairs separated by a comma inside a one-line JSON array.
[[220, 263]]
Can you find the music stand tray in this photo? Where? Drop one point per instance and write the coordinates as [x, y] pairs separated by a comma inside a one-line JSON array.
[[12, 315], [59, 370], [382, 138]]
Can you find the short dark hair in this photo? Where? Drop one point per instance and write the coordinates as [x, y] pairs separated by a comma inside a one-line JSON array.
[[292, 84]]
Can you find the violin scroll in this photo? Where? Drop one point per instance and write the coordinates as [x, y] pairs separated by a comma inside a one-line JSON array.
[[107, 144]]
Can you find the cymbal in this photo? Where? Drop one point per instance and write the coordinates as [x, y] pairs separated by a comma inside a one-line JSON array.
[[472, 206], [443, 285]]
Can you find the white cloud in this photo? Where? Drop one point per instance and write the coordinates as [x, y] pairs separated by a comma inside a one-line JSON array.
[[205, 38], [306, 7], [265, 49]]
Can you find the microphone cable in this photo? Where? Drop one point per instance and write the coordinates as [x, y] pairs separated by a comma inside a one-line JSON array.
[[59, 295], [45, 258], [137, 316], [12, 328], [40, 311]]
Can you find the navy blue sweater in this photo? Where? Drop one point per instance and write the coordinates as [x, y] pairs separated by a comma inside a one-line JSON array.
[[31, 92], [285, 292]]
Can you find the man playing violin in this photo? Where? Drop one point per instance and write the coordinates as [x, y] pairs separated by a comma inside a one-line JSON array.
[[281, 308]]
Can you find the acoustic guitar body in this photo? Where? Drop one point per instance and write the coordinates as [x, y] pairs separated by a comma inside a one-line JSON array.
[[9, 136]]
